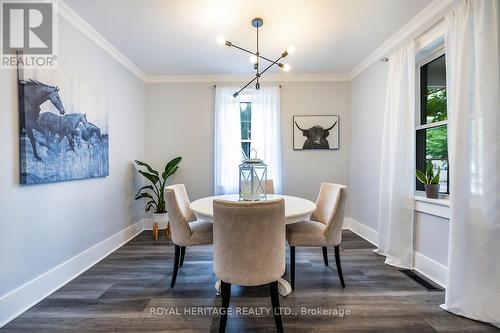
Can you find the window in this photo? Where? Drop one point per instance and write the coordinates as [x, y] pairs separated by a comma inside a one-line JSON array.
[[432, 124], [246, 127]]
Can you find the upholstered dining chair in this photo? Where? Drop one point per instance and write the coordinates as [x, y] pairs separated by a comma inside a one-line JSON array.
[[249, 248], [269, 186], [323, 229], [185, 229]]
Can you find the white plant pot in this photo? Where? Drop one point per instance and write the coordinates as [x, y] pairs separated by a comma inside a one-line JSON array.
[[161, 219]]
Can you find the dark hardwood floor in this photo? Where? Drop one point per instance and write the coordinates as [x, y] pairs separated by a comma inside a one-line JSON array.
[[129, 291]]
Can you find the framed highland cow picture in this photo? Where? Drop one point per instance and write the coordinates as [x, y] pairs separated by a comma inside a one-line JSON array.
[[63, 128], [316, 132]]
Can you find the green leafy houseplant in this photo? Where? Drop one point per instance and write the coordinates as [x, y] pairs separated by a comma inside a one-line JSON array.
[[430, 180], [154, 193]]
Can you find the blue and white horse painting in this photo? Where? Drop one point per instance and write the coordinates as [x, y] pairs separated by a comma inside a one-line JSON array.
[[32, 94], [57, 145]]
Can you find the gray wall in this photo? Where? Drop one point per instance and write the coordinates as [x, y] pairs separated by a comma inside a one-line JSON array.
[[367, 111], [431, 236], [41, 226], [368, 92], [303, 171], [179, 121]]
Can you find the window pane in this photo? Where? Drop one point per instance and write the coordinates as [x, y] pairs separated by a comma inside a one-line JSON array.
[[246, 126], [443, 175], [246, 111], [245, 130], [433, 91], [432, 145], [245, 146], [436, 106]]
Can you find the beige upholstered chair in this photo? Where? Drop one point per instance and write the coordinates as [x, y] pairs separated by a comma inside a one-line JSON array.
[[249, 248], [269, 186], [323, 229], [186, 230]]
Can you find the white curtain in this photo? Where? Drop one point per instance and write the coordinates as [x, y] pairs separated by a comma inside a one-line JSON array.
[[227, 141], [266, 138], [397, 176], [472, 68]]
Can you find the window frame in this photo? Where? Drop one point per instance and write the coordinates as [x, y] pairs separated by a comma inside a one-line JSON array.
[[423, 57]]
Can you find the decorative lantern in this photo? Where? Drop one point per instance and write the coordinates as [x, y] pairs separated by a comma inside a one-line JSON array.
[[253, 178]]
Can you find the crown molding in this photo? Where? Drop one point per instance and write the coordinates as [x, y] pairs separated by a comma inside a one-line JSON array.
[[245, 78], [84, 27], [422, 21]]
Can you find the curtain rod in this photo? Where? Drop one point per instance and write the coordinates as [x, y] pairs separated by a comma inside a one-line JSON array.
[[438, 22], [435, 24], [215, 86]]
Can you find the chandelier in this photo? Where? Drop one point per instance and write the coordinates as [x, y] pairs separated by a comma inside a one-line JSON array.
[[256, 57]]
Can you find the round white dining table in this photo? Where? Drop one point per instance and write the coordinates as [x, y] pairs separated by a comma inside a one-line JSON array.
[[296, 209]]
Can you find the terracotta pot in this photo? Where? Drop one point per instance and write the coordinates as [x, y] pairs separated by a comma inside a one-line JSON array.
[[432, 191]]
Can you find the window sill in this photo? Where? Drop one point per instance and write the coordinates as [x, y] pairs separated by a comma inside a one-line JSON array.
[[443, 199], [437, 207]]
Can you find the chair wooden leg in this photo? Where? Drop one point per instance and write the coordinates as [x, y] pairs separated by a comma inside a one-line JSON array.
[[325, 255], [275, 300], [183, 252], [155, 231], [225, 289], [176, 265], [339, 268], [292, 266]]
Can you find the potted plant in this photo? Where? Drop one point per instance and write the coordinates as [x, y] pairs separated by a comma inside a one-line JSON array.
[[154, 193], [430, 180]]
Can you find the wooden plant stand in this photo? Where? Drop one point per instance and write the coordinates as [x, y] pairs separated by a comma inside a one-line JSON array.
[[155, 231]]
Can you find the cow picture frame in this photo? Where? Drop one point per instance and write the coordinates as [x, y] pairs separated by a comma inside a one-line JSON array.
[[316, 132]]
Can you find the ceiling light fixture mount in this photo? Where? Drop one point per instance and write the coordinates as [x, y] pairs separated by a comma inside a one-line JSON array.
[[256, 57], [257, 22]]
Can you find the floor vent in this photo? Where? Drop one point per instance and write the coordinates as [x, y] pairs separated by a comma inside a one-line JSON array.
[[421, 280]]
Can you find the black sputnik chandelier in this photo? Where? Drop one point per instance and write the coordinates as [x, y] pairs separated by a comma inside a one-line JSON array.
[[256, 57]]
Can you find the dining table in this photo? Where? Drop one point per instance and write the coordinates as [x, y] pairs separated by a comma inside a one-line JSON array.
[[296, 209]]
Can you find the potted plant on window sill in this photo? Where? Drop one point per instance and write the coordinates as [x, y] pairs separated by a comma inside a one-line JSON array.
[[155, 195], [430, 180]]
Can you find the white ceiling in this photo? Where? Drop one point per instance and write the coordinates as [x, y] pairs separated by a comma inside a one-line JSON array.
[[177, 37]]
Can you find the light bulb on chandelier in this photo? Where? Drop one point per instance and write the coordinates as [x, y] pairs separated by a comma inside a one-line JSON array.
[[220, 40]]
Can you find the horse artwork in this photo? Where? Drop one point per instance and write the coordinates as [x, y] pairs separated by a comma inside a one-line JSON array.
[[316, 132], [58, 143]]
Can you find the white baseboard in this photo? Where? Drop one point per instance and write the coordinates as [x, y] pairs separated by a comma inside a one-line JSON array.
[[362, 230], [424, 265], [24, 297], [430, 268]]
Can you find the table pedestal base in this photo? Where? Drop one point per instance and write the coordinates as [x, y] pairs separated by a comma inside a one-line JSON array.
[[217, 287], [284, 287]]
